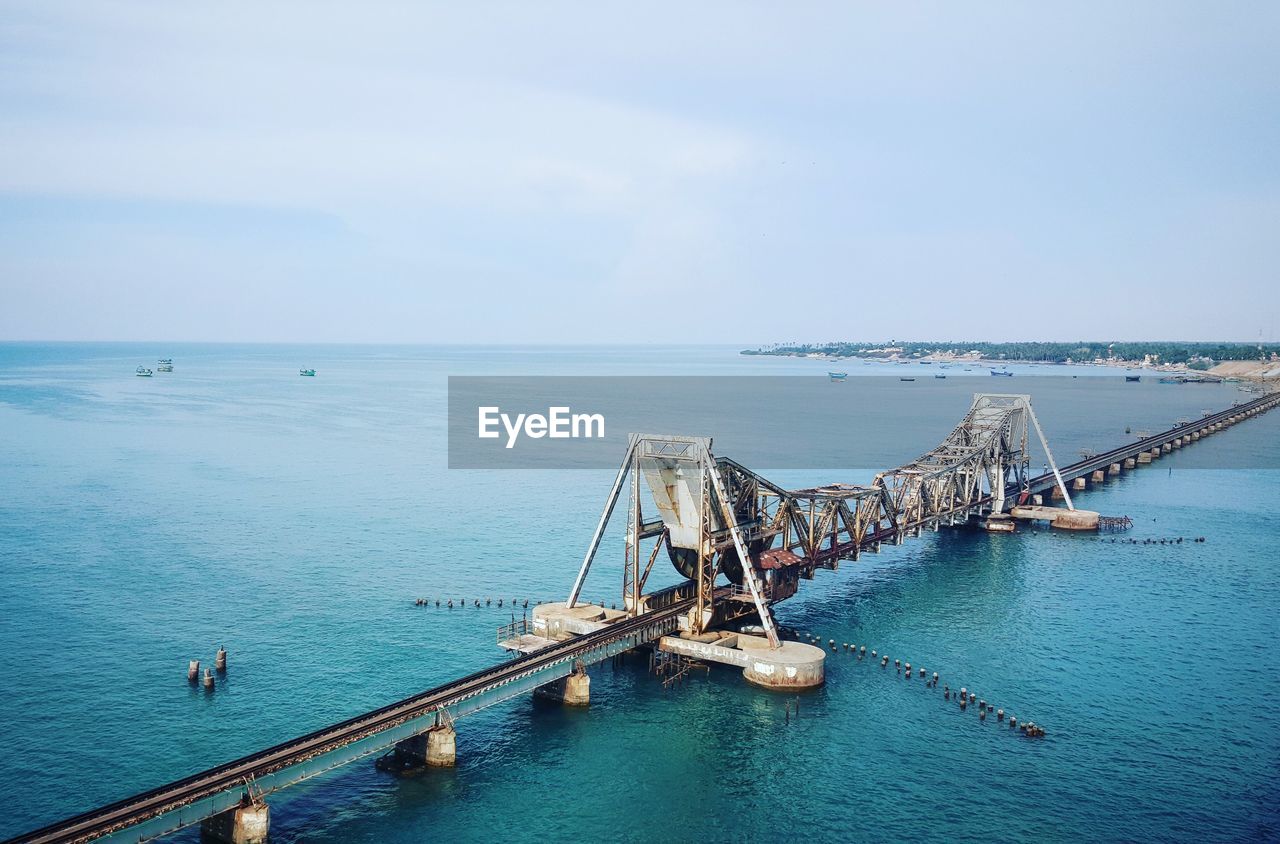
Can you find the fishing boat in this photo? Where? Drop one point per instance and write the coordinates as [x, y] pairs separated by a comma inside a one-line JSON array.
[[906, 379], [837, 376], [1133, 378], [1006, 373], [939, 375], [310, 373], [164, 365], [142, 372]]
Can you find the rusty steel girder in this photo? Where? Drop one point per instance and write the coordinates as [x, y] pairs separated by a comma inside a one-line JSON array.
[[717, 518]]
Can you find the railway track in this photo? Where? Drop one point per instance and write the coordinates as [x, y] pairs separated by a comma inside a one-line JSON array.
[[131, 811], [1101, 461]]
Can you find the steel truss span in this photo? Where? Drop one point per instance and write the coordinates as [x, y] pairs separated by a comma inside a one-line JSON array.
[[717, 518]]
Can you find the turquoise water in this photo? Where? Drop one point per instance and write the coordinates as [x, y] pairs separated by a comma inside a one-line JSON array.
[[145, 521]]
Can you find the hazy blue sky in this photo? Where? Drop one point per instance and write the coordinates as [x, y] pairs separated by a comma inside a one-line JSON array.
[[605, 172]]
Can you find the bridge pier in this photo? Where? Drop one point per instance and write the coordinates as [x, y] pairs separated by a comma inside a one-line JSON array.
[[1098, 476], [1113, 469], [436, 748], [248, 823], [792, 667], [574, 690], [1144, 457], [442, 747], [1078, 483], [1166, 448]]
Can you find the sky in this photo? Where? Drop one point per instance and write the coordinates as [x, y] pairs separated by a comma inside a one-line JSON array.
[[632, 173]]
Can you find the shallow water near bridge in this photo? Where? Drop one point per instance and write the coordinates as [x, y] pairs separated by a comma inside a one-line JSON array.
[[143, 522]]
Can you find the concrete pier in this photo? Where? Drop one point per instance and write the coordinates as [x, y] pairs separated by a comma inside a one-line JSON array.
[[1144, 457], [1058, 517], [998, 523], [793, 666], [1078, 484], [1098, 476], [574, 690], [1130, 463], [442, 747], [1166, 448], [435, 748], [577, 689], [1113, 469], [557, 621], [248, 823]]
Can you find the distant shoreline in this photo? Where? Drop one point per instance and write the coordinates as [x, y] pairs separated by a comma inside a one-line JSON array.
[[1225, 359]]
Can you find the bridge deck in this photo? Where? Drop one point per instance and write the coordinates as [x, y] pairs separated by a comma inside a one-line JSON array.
[[220, 788], [1041, 483], [1080, 468]]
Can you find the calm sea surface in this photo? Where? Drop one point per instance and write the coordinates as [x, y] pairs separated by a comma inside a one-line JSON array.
[[143, 522]]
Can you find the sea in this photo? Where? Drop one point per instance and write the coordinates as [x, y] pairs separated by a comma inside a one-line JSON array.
[[145, 522]]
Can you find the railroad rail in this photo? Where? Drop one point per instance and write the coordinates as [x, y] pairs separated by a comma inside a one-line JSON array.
[[411, 715], [1042, 482]]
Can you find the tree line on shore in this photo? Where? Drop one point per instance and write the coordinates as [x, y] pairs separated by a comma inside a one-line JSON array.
[[1161, 351]]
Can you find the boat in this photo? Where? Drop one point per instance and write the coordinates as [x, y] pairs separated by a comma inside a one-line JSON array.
[[164, 365], [1133, 378], [310, 373], [1173, 380], [165, 361], [906, 379], [837, 376], [1006, 373], [142, 372], [939, 375]]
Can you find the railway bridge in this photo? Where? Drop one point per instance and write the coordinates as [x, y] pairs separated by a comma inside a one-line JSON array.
[[742, 543]]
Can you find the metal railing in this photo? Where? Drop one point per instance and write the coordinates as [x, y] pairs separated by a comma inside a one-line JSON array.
[[514, 630]]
